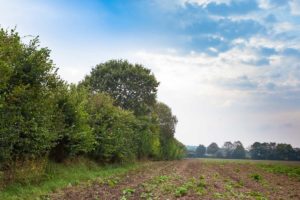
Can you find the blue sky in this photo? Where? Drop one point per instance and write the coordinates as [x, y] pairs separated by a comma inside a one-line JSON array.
[[230, 69]]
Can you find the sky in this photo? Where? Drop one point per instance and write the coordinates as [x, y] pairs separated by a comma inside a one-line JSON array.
[[229, 69]]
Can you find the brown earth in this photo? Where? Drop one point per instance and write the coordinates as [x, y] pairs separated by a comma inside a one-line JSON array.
[[188, 179]]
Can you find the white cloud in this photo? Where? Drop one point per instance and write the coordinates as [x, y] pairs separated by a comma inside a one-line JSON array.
[[264, 4], [206, 2], [295, 7]]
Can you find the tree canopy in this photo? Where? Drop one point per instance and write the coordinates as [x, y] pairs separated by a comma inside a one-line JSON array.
[[212, 148], [132, 86], [200, 150]]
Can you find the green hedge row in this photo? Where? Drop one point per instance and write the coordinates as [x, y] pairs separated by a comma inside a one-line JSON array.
[[111, 116]]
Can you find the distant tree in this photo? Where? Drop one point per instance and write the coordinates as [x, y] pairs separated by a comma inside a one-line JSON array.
[[297, 153], [167, 121], [273, 151], [239, 150], [132, 86], [212, 148], [263, 151], [201, 150], [228, 148], [191, 154], [220, 153], [285, 152], [259, 151]]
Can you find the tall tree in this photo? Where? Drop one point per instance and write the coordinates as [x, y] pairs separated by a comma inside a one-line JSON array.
[[239, 150], [263, 151], [71, 118], [212, 148], [167, 121], [200, 150], [228, 148], [170, 147], [113, 128], [132, 86], [285, 152]]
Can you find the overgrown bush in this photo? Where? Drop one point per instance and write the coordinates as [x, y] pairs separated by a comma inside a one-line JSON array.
[[28, 82], [113, 129], [75, 136]]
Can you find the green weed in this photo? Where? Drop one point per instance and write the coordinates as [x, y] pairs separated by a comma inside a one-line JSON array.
[[256, 177], [181, 191]]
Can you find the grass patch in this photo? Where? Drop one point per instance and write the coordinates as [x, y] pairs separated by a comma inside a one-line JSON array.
[[289, 170], [61, 175], [256, 177], [181, 191]]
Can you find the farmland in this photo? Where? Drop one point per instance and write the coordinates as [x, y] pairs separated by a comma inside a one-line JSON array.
[[182, 179], [195, 179]]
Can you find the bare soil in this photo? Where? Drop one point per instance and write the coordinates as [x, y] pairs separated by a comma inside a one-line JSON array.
[[188, 179]]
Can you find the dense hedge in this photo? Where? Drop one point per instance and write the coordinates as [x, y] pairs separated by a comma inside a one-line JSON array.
[[43, 117]]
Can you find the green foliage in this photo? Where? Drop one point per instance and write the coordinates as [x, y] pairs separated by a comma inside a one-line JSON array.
[[113, 129], [133, 87], [200, 151], [72, 123], [181, 191], [290, 170], [273, 151], [239, 151], [147, 137], [167, 121], [212, 148], [27, 85], [256, 177], [173, 149], [60, 175], [170, 147], [111, 116]]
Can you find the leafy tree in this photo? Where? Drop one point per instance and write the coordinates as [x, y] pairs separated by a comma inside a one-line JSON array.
[[27, 84], [228, 148], [285, 152], [132, 86], [212, 148], [200, 151], [239, 150], [297, 153], [167, 123], [75, 134], [113, 129], [147, 137], [263, 151]]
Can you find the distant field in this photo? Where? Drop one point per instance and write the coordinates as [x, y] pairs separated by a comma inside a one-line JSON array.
[[192, 179]]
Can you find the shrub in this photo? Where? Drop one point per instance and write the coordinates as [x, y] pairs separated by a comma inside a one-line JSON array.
[[113, 129], [75, 136], [27, 84]]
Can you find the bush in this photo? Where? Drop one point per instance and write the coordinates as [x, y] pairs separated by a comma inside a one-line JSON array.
[[113, 129], [26, 104], [75, 136]]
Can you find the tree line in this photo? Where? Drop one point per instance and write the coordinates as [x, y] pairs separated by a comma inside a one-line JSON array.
[[111, 116], [257, 151]]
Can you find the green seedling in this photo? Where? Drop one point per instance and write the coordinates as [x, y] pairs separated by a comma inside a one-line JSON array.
[[181, 191], [256, 177]]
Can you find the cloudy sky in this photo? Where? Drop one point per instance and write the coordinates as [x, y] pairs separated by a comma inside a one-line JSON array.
[[229, 69]]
